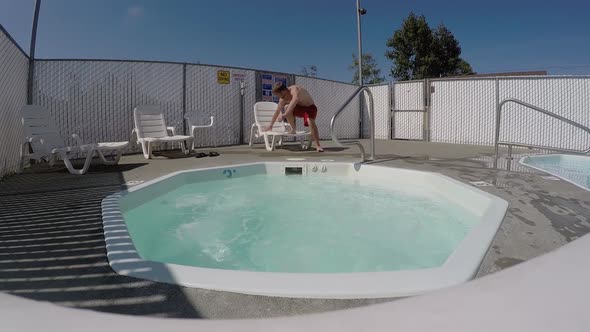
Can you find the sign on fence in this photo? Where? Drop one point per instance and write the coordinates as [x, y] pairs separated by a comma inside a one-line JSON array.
[[223, 76], [267, 81]]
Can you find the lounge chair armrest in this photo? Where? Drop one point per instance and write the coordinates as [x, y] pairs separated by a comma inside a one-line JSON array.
[[190, 123], [77, 129], [172, 130], [30, 140], [134, 138], [78, 139]]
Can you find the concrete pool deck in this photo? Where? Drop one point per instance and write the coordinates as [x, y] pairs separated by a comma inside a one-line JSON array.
[[52, 245]]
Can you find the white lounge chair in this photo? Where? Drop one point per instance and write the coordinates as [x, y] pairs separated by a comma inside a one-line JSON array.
[[43, 138], [150, 129], [263, 113], [192, 121]]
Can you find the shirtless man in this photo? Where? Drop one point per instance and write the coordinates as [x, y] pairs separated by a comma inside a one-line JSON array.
[[301, 105]]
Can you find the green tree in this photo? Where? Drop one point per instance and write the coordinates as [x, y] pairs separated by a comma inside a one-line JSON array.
[[311, 71], [371, 73], [418, 52], [447, 54], [464, 68]]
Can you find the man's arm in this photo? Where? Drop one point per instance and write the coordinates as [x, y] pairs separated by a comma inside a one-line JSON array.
[[276, 115]]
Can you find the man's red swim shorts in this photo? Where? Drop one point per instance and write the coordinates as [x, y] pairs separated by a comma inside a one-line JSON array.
[[305, 112]]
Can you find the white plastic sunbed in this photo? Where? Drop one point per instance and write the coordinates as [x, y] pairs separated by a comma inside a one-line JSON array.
[[151, 129], [45, 141], [263, 113]]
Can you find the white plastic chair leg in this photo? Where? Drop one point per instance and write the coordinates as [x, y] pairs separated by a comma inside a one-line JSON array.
[[274, 139], [105, 161], [252, 134], [185, 144], [71, 168], [194, 135], [145, 149], [148, 151], [52, 160], [23, 156], [267, 144]]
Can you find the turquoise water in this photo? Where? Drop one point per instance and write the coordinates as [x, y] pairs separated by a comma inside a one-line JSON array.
[[575, 169], [298, 224]]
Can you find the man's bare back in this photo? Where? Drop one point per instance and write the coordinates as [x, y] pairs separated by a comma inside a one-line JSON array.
[[304, 98], [296, 102]]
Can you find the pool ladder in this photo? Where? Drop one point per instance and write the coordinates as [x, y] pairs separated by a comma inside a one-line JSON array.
[[509, 158], [368, 96]]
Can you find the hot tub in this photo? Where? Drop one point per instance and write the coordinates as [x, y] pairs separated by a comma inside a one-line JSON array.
[[295, 229]]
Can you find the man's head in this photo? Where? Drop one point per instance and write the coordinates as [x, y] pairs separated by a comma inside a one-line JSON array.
[[280, 90]]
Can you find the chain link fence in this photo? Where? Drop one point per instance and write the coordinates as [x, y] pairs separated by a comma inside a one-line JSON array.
[[206, 97], [408, 110], [568, 97], [463, 111], [96, 98], [13, 95], [382, 108]]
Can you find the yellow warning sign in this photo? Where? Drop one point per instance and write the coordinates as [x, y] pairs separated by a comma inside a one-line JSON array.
[[223, 76]]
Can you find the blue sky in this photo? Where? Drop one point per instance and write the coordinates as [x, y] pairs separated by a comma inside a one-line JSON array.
[[495, 35]]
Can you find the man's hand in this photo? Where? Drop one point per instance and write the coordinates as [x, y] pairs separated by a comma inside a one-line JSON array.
[[269, 128]]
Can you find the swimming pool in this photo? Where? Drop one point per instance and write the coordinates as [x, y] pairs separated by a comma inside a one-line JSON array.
[[324, 230], [572, 168]]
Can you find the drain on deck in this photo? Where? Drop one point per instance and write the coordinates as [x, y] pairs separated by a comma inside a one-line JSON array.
[[480, 183]]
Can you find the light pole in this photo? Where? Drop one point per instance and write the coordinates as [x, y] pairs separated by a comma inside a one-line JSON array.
[[359, 12], [32, 53]]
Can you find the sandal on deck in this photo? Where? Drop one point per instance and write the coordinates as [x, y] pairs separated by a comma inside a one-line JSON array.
[[201, 155]]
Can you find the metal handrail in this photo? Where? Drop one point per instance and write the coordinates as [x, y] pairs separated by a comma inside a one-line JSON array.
[[371, 112], [497, 141]]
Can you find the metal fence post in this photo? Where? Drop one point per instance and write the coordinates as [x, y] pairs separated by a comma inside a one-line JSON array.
[[242, 110], [428, 111], [392, 110], [427, 107], [184, 129], [496, 128], [32, 53], [497, 92]]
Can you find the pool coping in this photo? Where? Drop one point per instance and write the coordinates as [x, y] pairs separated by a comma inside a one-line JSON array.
[[461, 265]]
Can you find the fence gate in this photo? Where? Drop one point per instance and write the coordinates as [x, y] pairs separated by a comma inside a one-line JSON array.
[[409, 112]]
